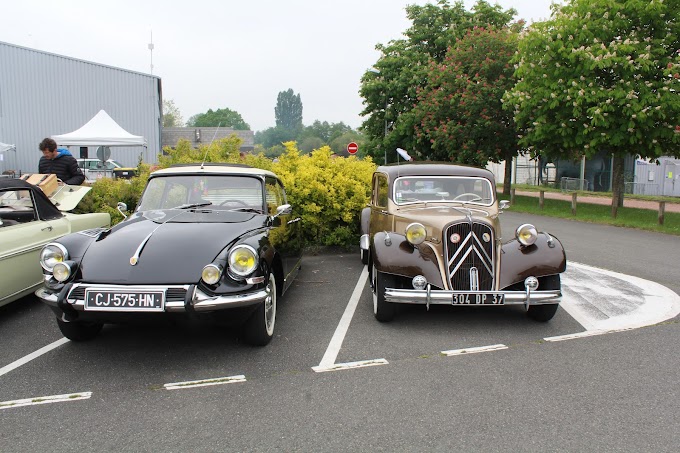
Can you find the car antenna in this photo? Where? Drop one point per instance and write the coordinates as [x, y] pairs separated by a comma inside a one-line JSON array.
[[211, 142]]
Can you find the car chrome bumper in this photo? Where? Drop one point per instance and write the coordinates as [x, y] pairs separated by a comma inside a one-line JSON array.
[[198, 301], [429, 296]]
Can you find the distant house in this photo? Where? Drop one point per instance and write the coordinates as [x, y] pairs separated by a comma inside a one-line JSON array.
[[170, 136]]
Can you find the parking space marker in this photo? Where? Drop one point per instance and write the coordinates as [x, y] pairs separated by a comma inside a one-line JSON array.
[[34, 355], [350, 365], [328, 360], [205, 382], [493, 347], [45, 400]]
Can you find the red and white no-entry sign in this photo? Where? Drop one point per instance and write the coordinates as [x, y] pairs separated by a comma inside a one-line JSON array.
[[352, 148]]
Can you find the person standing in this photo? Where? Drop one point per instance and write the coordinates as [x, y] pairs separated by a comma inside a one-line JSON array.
[[59, 162]]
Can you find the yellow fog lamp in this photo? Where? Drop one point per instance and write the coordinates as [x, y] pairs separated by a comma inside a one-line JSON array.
[[526, 234]]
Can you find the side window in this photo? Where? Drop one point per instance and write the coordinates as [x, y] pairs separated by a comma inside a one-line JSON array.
[[380, 189], [16, 206], [274, 196]]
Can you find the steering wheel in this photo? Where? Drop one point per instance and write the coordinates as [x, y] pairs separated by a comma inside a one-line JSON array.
[[233, 201], [472, 196]]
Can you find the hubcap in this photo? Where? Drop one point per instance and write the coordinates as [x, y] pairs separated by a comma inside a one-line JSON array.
[[270, 306]]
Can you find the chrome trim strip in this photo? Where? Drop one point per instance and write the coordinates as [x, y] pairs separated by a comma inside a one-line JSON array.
[[444, 297]]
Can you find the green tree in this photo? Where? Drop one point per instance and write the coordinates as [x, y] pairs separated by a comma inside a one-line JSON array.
[[459, 114], [339, 144], [222, 117], [390, 89], [171, 114], [274, 136], [288, 110], [601, 75]]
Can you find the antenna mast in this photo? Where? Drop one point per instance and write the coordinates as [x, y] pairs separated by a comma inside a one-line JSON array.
[[151, 51]]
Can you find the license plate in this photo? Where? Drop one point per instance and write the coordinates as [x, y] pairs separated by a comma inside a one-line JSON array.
[[478, 299], [124, 300]]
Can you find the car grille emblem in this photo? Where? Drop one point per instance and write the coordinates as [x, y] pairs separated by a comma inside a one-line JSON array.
[[486, 237], [455, 238]]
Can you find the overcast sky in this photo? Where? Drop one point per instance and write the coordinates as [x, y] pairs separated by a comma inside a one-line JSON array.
[[233, 54]]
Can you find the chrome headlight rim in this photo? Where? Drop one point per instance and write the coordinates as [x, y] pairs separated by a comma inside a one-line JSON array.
[[212, 273], [62, 271], [526, 234], [60, 249], [242, 273], [411, 229]]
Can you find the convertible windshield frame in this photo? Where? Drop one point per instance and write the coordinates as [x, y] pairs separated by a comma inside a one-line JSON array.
[[421, 189]]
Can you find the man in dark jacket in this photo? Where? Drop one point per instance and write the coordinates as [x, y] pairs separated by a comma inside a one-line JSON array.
[[59, 162]]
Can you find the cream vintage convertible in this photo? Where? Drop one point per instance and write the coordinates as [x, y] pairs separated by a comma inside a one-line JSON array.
[[28, 221]]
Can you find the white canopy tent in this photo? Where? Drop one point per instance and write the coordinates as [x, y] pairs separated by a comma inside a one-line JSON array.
[[101, 130], [5, 147]]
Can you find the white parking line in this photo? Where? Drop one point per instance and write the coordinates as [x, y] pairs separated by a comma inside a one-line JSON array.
[[329, 358], [45, 400], [34, 355], [205, 382], [493, 347], [603, 301]]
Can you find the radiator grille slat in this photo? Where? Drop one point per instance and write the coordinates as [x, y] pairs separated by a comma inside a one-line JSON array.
[[470, 253]]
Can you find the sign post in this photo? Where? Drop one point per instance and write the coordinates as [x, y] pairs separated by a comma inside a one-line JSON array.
[[352, 148]]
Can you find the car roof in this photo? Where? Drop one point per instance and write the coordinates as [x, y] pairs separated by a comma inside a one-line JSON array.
[[434, 169], [213, 168]]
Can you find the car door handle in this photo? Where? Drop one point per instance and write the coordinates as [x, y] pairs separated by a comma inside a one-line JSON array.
[[48, 228], [293, 221]]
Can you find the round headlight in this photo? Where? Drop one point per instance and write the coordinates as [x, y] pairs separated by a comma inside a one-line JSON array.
[[52, 254], [211, 274], [415, 233], [61, 272], [242, 260], [526, 234]]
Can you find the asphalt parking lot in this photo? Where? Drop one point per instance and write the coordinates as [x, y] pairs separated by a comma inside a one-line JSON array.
[[271, 399]]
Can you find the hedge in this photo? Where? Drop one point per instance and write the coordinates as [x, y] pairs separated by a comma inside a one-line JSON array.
[[326, 191]]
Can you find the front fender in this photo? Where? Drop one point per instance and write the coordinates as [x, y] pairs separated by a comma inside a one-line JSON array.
[[519, 262], [393, 254]]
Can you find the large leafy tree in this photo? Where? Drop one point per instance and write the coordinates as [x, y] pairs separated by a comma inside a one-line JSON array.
[[459, 113], [288, 110], [171, 114], [601, 75], [389, 90], [221, 117]]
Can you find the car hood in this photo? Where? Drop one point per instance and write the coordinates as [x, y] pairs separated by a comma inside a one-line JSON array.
[[171, 251]]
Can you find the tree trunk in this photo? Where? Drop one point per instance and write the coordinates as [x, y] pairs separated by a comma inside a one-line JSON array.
[[617, 184], [507, 177]]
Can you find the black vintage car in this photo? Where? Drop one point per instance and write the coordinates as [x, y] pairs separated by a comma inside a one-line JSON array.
[[213, 242]]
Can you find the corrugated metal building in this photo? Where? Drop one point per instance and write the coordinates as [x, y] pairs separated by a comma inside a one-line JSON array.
[[43, 94]]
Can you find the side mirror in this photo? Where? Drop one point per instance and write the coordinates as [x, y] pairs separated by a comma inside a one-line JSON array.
[[122, 208], [284, 209], [503, 204]]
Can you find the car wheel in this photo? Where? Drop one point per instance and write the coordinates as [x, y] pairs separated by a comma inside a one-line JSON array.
[[545, 312], [364, 256], [382, 310], [259, 328], [79, 331]]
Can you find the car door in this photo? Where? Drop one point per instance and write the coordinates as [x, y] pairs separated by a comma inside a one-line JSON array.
[[22, 236], [286, 235], [381, 219]]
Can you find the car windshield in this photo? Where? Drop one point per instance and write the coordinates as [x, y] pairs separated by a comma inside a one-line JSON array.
[[211, 192], [449, 189]]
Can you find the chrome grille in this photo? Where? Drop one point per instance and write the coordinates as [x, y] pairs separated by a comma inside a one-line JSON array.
[[470, 262]]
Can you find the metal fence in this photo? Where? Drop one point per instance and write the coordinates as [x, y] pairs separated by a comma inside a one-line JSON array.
[[573, 184], [641, 188]]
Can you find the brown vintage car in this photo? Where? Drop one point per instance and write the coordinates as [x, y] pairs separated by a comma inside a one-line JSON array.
[[431, 235]]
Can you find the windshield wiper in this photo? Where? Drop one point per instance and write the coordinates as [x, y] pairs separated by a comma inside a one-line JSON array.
[[194, 205], [258, 211]]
